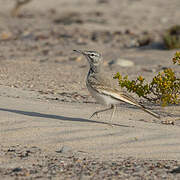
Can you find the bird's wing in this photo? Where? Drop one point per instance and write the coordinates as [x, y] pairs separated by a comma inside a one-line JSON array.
[[118, 95], [108, 87]]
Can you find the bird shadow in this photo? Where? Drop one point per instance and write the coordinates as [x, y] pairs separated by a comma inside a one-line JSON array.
[[58, 117]]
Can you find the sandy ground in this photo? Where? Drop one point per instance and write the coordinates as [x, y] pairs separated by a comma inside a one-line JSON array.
[[45, 130]]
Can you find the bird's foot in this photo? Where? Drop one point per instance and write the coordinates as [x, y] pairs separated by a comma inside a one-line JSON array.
[[94, 114]]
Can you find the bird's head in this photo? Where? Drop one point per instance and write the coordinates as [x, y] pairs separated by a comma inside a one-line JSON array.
[[93, 57]]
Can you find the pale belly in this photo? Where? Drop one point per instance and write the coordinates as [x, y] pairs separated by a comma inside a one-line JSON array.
[[102, 99]]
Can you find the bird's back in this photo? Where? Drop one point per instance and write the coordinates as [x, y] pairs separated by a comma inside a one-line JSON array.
[[102, 80], [103, 84]]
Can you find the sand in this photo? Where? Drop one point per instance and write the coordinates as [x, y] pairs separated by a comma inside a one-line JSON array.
[[45, 130]]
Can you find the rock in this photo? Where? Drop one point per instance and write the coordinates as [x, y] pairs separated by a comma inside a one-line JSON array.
[[70, 18], [64, 149], [6, 36], [144, 40], [75, 58], [176, 170], [122, 62]]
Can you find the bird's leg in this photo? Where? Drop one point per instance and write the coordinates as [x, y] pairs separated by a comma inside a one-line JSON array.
[[103, 110], [112, 115]]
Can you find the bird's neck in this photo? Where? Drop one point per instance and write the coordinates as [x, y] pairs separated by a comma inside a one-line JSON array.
[[94, 69]]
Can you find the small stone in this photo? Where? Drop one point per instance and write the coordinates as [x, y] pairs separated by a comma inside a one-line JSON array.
[[168, 122], [176, 170], [164, 20], [122, 62], [17, 169], [102, 1], [45, 170], [78, 59], [64, 149], [81, 41], [6, 36], [145, 40], [105, 63], [75, 58]]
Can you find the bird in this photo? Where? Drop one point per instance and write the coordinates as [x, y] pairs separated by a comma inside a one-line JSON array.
[[101, 87]]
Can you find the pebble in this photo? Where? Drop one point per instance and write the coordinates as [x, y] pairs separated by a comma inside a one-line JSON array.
[[6, 36], [64, 149], [60, 166], [122, 62]]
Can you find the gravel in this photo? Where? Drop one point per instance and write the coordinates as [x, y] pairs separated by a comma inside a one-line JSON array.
[[22, 162]]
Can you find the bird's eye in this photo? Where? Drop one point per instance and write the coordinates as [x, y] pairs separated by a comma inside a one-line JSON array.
[[92, 55]]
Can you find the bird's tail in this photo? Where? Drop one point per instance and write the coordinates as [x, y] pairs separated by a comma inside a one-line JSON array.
[[121, 96], [149, 111], [129, 99]]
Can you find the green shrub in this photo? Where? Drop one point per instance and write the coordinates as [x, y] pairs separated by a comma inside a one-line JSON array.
[[176, 58], [172, 37], [163, 89]]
